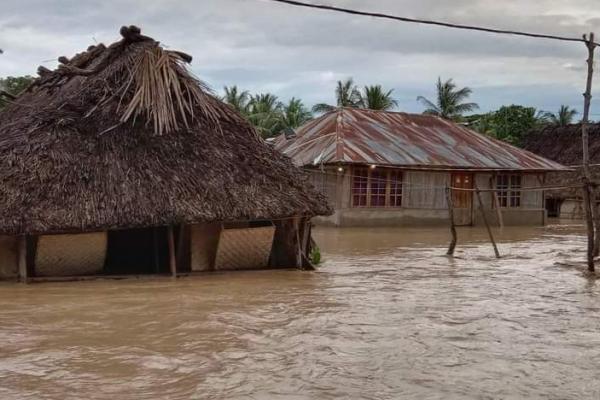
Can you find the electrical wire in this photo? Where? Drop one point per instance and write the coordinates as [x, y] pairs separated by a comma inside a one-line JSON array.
[[431, 22]]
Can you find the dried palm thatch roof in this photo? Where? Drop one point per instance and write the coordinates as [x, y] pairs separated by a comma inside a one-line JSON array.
[[124, 136], [563, 145]]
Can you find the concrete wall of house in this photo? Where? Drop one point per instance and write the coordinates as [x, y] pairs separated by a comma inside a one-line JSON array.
[[8, 257], [572, 209], [424, 202]]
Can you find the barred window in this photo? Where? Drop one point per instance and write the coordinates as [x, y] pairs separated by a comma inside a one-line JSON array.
[[509, 190], [360, 185], [376, 187], [395, 189]]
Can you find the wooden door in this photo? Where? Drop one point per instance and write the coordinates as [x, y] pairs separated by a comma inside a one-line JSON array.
[[462, 200]]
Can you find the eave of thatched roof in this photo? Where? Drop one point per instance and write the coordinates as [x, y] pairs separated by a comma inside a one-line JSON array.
[[93, 146], [563, 144]]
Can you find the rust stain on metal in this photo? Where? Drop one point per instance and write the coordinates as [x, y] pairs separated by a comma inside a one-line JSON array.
[[357, 136]]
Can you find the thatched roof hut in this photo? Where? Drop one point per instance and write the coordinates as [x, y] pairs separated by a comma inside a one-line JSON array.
[[123, 136]]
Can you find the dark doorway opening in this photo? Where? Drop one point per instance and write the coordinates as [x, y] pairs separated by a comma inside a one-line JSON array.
[[553, 207], [137, 252]]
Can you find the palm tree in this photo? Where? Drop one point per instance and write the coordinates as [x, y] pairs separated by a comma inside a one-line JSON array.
[[346, 94], [295, 114], [450, 101], [264, 112], [375, 98], [563, 117], [238, 100]]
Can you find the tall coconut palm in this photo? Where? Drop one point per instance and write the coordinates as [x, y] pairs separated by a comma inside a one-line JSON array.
[[295, 114], [346, 95], [563, 117], [239, 100], [264, 112], [375, 98], [449, 103]]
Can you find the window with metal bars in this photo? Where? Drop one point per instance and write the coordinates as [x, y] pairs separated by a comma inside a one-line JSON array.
[[509, 190], [376, 187]]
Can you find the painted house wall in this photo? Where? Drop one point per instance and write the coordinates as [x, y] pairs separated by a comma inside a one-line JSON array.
[[424, 201]]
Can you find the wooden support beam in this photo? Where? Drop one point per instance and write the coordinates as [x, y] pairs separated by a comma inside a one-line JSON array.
[[588, 195], [452, 245], [485, 221], [172, 256], [22, 259]]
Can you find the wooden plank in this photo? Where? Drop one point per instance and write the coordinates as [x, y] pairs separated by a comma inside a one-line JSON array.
[[22, 259], [172, 256], [485, 221], [452, 245]]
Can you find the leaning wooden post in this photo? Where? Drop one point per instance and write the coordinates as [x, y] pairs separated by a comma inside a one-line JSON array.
[[588, 197], [485, 221], [452, 245], [172, 257]]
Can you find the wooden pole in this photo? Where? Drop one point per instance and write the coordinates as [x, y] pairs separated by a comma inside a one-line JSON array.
[[155, 245], [452, 245], [172, 257], [485, 221], [587, 192], [22, 260]]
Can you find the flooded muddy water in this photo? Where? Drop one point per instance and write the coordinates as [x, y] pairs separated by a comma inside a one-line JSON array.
[[386, 316]]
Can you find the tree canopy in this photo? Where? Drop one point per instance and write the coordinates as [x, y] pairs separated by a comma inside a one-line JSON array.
[[14, 85], [450, 102]]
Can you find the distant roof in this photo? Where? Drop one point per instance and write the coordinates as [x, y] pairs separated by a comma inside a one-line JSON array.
[[350, 135], [563, 143]]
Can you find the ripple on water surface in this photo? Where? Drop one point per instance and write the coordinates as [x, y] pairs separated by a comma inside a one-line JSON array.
[[386, 316]]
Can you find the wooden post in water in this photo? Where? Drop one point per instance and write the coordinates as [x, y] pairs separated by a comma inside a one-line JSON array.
[[172, 257], [452, 245], [22, 259], [588, 197], [485, 221]]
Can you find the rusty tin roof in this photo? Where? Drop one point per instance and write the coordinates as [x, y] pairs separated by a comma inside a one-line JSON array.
[[358, 136]]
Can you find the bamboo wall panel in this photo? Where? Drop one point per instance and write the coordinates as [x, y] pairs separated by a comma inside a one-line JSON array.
[[244, 248], [425, 189], [204, 241], [70, 255]]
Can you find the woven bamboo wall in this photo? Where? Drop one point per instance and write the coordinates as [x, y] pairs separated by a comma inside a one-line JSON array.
[[70, 255], [204, 240], [8, 257], [244, 248]]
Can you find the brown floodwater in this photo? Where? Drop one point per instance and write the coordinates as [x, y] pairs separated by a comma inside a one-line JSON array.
[[386, 316]]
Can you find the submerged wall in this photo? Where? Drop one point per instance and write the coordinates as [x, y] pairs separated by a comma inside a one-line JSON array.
[[424, 201], [8, 257]]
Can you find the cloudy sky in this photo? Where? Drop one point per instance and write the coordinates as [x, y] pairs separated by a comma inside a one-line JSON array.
[[267, 47]]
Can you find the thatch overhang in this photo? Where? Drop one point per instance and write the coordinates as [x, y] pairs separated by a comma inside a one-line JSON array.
[[563, 145], [123, 137]]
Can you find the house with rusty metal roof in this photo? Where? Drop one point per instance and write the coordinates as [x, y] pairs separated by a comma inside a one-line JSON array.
[[393, 168]]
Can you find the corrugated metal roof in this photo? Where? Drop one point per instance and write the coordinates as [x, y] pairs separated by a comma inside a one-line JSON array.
[[350, 135]]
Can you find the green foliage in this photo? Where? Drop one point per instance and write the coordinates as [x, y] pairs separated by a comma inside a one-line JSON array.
[[264, 110], [346, 95], [295, 114], [563, 117], [14, 85], [237, 99], [315, 256], [372, 97], [375, 98], [450, 101], [508, 123]]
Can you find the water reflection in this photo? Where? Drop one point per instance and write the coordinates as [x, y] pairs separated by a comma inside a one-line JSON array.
[[386, 316]]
